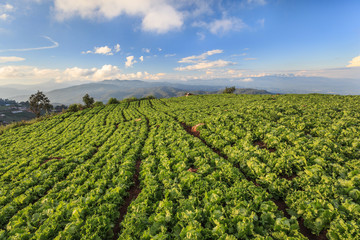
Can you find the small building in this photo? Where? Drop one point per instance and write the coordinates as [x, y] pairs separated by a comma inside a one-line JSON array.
[[188, 94]]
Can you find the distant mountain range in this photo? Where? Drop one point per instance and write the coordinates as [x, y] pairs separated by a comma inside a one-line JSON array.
[[120, 89], [69, 92]]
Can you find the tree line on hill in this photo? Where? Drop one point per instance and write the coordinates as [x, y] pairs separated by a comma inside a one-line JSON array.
[[38, 102]]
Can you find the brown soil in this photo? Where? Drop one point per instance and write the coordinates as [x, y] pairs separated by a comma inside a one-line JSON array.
[[192, 170], [289, 177], [133, 194], [307, 233], [139, 119], [280, 203], [282, 207], [263, 145]]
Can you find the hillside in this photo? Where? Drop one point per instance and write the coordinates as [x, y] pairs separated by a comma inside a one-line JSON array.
[[198, 167], [120, 89]]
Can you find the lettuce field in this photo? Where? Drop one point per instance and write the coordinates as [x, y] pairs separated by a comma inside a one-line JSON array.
[[199, 167]]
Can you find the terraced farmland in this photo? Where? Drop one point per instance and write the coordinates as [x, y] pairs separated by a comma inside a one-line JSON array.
[[197, 167]]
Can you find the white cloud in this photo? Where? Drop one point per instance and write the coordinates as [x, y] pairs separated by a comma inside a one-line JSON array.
[[30, 74], [54, 45], [11, 59], [249, 59], [200, 62], [105, 50], [4, 16], [158, 16], [141, 58], [6, 7], [147, 50], [117, 48], [355, 62], [222, 26], [4, 10], [196, 58], [205, 65], [130, 61], [159, 49], [248, 80]]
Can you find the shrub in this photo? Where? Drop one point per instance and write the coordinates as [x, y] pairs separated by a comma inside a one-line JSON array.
[[113, 101], [73, 108], [229, 90]]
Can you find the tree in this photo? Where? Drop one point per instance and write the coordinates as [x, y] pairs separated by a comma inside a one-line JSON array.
[[89, 101], [73, 108], [98, 104], [130, 99], [229, 90], [39, 102], [113, 101]]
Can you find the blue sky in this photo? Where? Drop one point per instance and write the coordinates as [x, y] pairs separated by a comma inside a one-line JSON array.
[[82, 41]]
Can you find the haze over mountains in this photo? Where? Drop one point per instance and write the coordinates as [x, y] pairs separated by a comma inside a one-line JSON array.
[[63, 93]]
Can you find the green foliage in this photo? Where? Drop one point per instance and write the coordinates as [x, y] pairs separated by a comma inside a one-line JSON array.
[[229, 90], [73, 108], [149, 97], [88, 101], [112, 101], [130, 99], [67, 176], [39, 102], [98, 104]]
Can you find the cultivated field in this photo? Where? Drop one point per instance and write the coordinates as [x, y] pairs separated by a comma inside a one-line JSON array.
[[197, 167]]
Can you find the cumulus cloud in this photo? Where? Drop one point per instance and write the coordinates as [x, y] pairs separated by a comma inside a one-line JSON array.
[[203, 56], [54, 45], [205, 65], [130, 61], [29, 74], [147, 50], [222, 26], [105, 50], [141, 58], [158, 16], [11, 59], [355, 62]]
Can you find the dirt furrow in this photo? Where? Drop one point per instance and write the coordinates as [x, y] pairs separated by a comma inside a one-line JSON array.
[[280, 203], [134, 190]]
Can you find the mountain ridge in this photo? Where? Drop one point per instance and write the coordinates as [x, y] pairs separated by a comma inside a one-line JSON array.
[[120, 89]]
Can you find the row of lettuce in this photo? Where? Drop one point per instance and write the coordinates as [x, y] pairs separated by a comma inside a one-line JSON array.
[[68, 180], [190, 192], [67, 176], [315, 141]]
